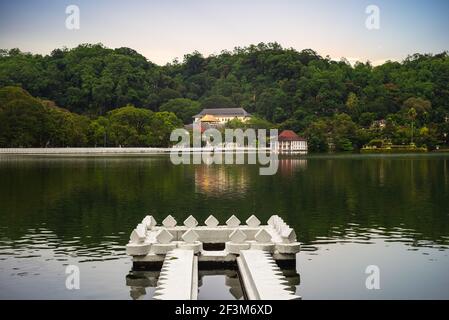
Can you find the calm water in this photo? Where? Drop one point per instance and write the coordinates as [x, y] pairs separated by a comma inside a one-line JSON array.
[[349, 212]]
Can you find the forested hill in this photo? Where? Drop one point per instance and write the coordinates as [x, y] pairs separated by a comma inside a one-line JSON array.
[[298, 90]]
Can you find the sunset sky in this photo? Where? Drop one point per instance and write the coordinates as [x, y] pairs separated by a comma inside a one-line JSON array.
[[164, 30]]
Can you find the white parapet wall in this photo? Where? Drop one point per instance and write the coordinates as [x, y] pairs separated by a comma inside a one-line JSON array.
[[149, 242], [124, 150], [252, 245], [81, 151]]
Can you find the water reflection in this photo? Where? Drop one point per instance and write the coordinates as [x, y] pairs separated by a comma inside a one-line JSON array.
[[288, 166], [141, 281], [217, 181], [41, 242], [93, 198], [218, 284], [56, 211]]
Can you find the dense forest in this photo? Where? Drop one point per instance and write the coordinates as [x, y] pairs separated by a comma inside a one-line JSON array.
[[94, 96]]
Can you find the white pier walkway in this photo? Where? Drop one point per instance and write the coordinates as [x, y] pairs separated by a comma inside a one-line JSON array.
[[252, 247], [179, 276], [262, 278]]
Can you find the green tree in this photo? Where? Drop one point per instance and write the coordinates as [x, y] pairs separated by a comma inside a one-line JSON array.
[[289, 88], [235, 124], [66, 129], [26, 121], [412, 115], [183, 108], [98, 132], [168, 94], [162, 124], [217, 101], [317, 135], [367, 118], [353, 104], [22, 124], [256, 122], [130, 127]]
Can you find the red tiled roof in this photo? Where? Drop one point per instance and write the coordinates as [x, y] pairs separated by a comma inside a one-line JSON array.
[[289, 135], [203, 126]]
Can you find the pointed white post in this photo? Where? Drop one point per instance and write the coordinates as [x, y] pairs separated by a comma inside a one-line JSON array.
[[233, 221], [169, 222], [253, 221], [190, 222], [190, 236], [164, 236], [211, 221], [237, 236]]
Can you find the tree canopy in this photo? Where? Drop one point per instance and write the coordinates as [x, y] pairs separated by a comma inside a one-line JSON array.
[[26, 121], [183, 108], [299, 90]]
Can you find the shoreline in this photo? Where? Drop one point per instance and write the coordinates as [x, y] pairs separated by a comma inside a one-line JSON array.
[[81, 151], [136, 151], [119, 151]]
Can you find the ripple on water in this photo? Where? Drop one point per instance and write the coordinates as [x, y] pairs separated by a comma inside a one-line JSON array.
[[38, 243], [353, 233], [27, 256]]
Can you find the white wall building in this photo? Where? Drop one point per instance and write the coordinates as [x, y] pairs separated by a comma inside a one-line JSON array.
[[290, 142], [222, 115]]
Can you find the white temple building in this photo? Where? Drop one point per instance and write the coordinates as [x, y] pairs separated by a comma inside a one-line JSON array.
[[220, 116], [290, 142]]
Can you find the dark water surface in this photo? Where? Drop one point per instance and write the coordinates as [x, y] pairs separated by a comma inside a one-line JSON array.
[[348, 211]]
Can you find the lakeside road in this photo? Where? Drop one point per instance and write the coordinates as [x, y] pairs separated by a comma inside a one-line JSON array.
[[82, 151], [117, 151]]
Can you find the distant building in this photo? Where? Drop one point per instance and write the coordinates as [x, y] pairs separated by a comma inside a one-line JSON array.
[[203, 126], [219, 116], [380, 124], [290, 142]]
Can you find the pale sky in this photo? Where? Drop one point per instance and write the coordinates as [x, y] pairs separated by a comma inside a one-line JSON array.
[[168, 29]]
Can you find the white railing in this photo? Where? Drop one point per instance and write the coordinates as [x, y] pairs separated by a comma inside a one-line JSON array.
[[43, 151], [81, 150]]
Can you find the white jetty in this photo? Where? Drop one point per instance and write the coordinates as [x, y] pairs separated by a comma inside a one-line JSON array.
[[254, 248], [180, 271], [262, 278]]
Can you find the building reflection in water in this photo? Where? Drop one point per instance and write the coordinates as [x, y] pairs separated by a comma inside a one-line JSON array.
[[289, 166], [218, 179], [214, 180], [142, 284]]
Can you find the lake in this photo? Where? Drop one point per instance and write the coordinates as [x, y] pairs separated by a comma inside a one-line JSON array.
[[349, 212]]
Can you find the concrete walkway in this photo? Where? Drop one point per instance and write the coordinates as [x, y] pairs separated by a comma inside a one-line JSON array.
[[82, 151], [124, 150], [179, 248], [179, 276], [262, 278]]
